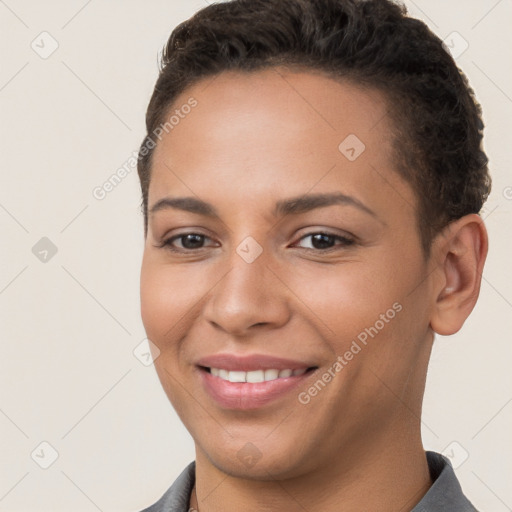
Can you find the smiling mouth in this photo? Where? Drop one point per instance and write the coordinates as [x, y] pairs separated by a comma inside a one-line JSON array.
[[255, 376], [255, 386]]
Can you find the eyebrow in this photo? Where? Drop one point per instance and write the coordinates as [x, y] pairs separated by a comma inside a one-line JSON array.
[[291, 206]]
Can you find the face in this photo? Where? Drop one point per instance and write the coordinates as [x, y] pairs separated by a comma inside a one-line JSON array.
[[283, 281]]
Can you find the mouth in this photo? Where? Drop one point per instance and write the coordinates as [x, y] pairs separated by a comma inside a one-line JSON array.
[[251, 382], [255, 376]]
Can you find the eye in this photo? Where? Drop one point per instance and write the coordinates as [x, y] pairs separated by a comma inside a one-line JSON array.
[[319, 241], [186, 242], [324, 241]]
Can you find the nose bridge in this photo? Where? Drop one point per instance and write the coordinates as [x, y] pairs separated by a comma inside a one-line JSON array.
[[249, 293], [244, 288]]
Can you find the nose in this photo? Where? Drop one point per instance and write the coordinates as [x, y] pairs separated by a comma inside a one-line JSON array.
[[249, 297]]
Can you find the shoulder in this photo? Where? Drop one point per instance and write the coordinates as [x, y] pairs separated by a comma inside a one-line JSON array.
[[445, 492], [177, 497]]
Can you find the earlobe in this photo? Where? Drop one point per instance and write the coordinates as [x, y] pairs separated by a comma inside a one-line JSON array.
[[462, 251]]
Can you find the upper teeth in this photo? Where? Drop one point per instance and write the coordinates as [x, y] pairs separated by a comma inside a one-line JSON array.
[[254, 376]]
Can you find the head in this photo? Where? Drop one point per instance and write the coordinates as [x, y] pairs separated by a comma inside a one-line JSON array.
[[311, 181]]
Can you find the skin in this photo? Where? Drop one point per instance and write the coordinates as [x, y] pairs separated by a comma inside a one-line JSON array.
[[255, 139]]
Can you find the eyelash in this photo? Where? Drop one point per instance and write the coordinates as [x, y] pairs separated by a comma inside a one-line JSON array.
[[345, 242]]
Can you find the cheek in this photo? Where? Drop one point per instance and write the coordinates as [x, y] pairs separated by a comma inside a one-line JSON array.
[[153, 298], [364, 312], [167, 295], [347, 297], [159, 297]]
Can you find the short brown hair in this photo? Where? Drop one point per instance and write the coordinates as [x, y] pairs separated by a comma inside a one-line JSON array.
[[437, 121]]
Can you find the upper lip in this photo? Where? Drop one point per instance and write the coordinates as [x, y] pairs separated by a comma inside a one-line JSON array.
[[247, 363]]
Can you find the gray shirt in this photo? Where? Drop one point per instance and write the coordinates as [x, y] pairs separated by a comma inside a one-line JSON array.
[[445, 494]]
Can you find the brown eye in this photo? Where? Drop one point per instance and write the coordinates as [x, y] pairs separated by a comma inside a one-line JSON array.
[[185, 242], [191, 240], [325, 241]]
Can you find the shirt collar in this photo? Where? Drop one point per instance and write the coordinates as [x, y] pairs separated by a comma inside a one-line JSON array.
[[444, 494]]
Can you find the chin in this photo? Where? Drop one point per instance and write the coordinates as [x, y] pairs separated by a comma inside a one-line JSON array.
[[261, 460]]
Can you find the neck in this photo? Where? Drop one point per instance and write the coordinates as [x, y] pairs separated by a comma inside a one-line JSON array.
[[394, 476]]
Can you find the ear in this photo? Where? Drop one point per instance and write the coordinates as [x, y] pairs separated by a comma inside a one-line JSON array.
[[461, 251]]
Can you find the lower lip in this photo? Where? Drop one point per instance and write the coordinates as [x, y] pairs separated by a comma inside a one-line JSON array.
[[246, 395]]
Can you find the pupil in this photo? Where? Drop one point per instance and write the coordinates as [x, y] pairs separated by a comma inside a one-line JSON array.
[[322, 241], [192, 241]]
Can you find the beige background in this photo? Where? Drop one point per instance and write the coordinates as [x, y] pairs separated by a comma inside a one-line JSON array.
[[69, 326]]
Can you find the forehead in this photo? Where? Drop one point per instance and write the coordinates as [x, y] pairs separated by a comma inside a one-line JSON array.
[[309, 105], [276, 131]]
